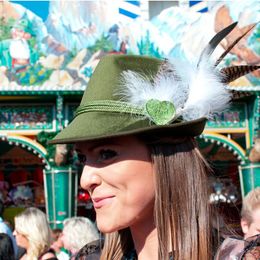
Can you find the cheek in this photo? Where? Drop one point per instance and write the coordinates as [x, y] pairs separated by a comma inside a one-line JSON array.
[[140, 191], [140, 201], [141, 180], [138, 183], [18, 241], [135, 195], [252, 230], [22, 241]]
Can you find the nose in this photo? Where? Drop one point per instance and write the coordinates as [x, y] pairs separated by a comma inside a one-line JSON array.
[[90, 178]]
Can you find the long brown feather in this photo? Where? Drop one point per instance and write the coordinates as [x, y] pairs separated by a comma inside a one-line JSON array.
[[232, 45], [234, 72], [238, 94], [211, 46]]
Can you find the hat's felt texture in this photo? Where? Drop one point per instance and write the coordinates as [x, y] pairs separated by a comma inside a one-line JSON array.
[[104, 83]]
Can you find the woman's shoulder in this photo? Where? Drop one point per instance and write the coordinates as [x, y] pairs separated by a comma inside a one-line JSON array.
[[232, 247], [91, 250], [49, 255]]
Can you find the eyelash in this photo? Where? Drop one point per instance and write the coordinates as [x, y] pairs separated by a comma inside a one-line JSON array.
[[106, 154], [103, 155]]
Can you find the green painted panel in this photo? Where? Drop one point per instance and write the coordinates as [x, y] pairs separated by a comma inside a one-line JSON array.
[[60, 189], [70, 110], [234, 117], [249, 177]]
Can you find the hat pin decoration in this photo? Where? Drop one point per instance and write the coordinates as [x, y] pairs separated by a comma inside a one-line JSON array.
[[182, 90]]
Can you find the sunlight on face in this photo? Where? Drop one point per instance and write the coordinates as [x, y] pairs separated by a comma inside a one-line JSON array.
[[118, 174]]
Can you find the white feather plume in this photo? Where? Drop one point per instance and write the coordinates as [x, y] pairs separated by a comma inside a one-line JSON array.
[[206, 93], [195, 91]]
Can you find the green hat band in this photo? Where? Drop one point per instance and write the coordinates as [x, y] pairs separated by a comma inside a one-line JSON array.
[[109, 106]]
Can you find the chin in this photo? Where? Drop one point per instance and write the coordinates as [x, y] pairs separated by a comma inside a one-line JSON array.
[[108, 227]]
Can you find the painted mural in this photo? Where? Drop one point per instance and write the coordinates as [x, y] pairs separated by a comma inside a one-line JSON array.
[[57, 44]]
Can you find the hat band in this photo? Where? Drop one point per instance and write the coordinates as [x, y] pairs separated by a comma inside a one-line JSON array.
[[109, 106]]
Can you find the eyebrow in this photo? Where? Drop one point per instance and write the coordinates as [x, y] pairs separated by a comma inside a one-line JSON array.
[[97, 144]]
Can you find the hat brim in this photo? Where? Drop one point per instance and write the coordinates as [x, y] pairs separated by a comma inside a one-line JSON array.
[[86, 127]]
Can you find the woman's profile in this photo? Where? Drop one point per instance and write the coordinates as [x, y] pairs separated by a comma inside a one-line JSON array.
[[32, 232]]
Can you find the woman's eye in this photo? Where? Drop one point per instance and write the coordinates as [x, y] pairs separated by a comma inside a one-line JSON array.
[[106, 155]]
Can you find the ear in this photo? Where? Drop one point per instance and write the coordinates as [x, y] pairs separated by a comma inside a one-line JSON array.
[[244, 226]]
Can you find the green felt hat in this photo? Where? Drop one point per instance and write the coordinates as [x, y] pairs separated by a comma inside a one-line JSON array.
[[102, 113]]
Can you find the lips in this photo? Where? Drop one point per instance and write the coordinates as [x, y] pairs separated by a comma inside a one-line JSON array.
[[99, 202]]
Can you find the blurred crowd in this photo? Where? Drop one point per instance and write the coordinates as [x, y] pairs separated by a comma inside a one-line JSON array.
[[79, 239], [32, 238]]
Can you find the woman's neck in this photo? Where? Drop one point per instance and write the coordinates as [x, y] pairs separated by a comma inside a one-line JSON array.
[[145, 240]]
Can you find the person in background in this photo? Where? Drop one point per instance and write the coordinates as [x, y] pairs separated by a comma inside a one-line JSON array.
[[135, 134], [250, 224], [4, 228], [33, 233], [78, 232], [90, 251], [6, 247], [247, 247], [57, 244], [250, 213]]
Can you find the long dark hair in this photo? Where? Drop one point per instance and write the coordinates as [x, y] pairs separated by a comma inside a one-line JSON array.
[[182, 211]]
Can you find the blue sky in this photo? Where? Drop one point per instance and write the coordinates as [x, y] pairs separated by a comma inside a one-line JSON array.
[[40, 8]]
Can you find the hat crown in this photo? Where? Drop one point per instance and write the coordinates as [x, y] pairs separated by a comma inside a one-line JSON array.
[[106, 79]]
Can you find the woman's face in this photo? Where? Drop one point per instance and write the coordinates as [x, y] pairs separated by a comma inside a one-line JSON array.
[[59, 242], [253, 228], [21, 240], [118, 174], [65, 241]]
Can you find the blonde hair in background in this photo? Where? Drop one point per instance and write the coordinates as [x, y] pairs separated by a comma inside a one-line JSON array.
[[79, 231], [32, 223], [182, 211], [251, 202]]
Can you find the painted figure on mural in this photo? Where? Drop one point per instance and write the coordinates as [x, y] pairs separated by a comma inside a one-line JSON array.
[[19, 47], [65, 39], [135, 134]]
